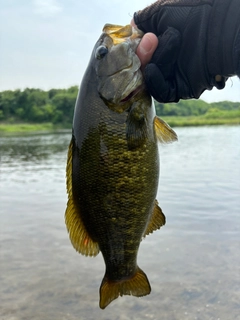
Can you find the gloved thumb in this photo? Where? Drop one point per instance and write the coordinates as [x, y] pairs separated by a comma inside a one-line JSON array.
[[146, 48]]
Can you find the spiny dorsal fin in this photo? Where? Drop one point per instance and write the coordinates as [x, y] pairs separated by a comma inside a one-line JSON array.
[[137, 286], [157, 220], [164, 132], [78, 235]]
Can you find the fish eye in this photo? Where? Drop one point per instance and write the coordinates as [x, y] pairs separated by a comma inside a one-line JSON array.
[[101, 52]]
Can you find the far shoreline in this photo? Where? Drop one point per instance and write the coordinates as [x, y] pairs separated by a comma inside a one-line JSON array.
[[29, 128], [15, 128]]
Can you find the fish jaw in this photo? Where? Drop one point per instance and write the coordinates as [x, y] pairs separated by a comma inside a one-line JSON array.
[[123, 97], [133, 87]]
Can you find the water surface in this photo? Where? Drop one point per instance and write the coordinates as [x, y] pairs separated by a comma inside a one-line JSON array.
[[193, 263]]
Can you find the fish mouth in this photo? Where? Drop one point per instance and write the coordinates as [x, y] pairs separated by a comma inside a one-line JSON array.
[[124, 104], [133, 93]]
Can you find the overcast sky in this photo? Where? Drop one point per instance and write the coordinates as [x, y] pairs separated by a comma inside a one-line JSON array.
[[47, 43]]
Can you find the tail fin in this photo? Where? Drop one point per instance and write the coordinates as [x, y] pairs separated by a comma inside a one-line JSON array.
[[138, 286]]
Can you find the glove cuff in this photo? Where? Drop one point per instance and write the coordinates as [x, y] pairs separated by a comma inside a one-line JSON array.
[[223, 37]]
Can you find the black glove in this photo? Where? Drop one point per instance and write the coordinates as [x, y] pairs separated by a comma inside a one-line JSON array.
[[199, 46]]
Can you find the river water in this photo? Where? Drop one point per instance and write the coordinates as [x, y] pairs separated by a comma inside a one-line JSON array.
[[193, 263]]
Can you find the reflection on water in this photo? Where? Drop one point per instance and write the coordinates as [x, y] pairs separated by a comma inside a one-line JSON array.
[[192, 263]]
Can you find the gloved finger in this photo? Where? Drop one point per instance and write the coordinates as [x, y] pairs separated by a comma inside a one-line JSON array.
[[166, 54], [148, 19], [161, 89], [169, 44]]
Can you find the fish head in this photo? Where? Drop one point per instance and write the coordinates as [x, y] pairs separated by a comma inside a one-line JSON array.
[[117, 66]]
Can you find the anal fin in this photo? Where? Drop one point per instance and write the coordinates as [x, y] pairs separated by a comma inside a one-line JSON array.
[[78, 234], [157, 220]]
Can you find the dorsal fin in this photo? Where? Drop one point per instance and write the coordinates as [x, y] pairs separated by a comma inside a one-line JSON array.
[[157, 220], [78, 234], [164, 132]]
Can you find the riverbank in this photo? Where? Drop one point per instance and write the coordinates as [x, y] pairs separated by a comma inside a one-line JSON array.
[[200, 121], [14, 128]]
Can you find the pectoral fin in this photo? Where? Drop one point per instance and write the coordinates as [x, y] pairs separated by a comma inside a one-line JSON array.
[[136, 127], [157, 220], [164, 132], [79, 237]]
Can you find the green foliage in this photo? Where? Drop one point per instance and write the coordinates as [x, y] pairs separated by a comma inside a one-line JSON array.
[[222, 114], [37, 106]]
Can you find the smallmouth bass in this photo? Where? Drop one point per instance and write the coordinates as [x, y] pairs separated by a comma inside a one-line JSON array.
[[113, 163]]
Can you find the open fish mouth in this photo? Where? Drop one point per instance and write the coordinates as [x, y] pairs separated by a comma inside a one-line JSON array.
[[133, 93]]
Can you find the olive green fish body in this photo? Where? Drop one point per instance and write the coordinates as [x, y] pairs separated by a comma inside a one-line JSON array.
[[113, 166], [115, 186]]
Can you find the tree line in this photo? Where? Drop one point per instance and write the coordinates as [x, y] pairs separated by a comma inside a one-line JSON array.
[[57, 106], [194, 107], [38, 106]]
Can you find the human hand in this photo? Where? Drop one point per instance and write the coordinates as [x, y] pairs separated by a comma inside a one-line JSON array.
[[179, 67]]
